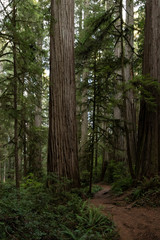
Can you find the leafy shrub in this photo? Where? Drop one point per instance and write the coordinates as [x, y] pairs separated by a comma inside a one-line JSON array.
[[117, 173], [121, 185], [38, 213], [85, 176], [147, 193]]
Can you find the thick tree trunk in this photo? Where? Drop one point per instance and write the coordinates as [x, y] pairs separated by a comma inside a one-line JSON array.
[[62, 145], [130, 112], [105, 153], [149, 125], [119, 140]]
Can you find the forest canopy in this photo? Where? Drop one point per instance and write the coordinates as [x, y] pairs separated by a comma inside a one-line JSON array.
[[100, 103], [111, 121], [79, 104]]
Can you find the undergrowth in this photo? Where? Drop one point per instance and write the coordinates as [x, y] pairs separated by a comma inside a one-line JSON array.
[[147, 193], [117, 174], [38, 213]]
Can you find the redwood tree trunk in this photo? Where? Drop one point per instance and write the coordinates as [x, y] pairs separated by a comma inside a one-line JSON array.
[[62, 145], [119, 140], [130, 112], [149, 126]]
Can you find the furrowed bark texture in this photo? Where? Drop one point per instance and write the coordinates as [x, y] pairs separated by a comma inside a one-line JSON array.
[[149, 120], [119, 140], [62, 147], [130, 112]]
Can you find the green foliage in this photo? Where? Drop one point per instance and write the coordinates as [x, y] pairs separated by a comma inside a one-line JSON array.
[[139, 22], [84, 191], [30, 64], [89, 220], [149, 88], [122, 184], [37, 213], [95, 189], [117, 173], [85, 174], [147, 193]]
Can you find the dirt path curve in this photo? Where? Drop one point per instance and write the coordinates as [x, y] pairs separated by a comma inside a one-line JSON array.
[[133, 223]]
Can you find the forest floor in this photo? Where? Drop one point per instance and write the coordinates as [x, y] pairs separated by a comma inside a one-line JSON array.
[[133, 223]]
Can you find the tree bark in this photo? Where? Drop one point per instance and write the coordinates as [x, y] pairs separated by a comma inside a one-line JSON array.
[[92, 147], [84, 117], [105, 155], [119, 139], [130, 112], [38, 118], [148, 152], [15, 97], [84, 108], [62, 144]]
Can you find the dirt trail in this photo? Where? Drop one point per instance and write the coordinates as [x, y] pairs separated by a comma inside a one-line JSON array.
[[133, 223]]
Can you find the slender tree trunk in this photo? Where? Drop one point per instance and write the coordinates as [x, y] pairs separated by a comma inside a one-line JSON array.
[[24, 149], [4, 171], [84, 108], [96, 136], [0, 172], [23, 123], [93, 129], [96, 146], [84, 117], [148, 153], [38, 145], [105, 156], [38, 120], [62, 144], [15, 97]]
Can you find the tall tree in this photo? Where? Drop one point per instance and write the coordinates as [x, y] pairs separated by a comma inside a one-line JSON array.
[[21, 70], [148, 161], [82, 83], [15, 95], [130, 113], [62, 144], [119, 140]]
